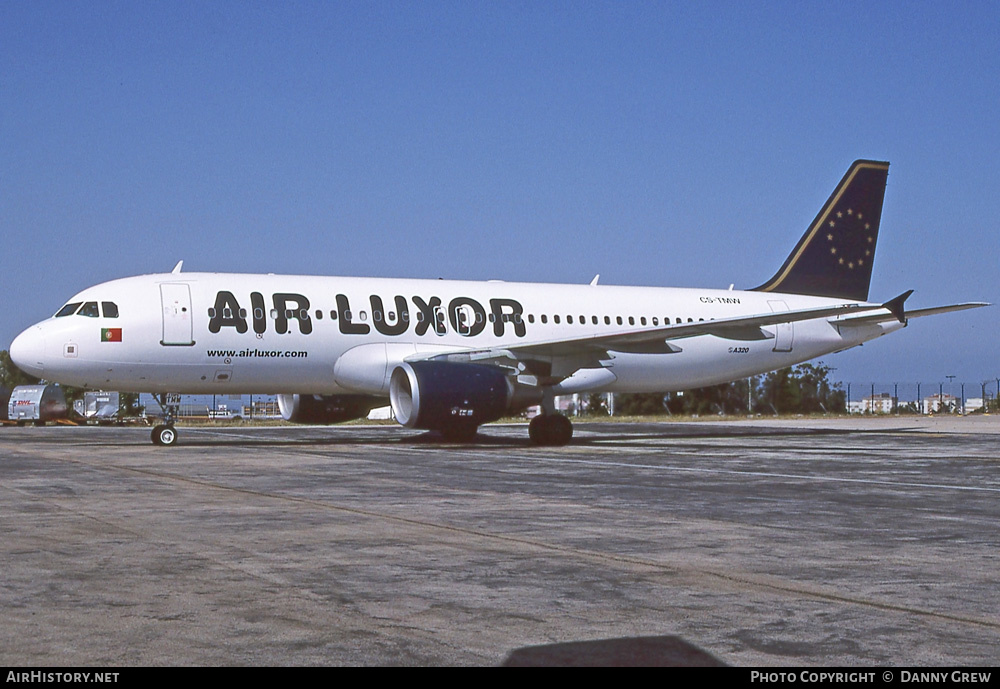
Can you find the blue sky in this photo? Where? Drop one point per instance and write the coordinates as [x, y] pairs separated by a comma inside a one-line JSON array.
[[673, 144]]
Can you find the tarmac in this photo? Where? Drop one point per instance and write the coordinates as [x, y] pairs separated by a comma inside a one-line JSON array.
[[806, 542]]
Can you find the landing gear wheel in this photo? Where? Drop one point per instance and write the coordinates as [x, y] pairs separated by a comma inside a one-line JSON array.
[[550, 429], [164, 435]]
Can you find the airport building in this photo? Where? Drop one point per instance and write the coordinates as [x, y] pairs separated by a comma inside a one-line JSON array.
[[883, 403]]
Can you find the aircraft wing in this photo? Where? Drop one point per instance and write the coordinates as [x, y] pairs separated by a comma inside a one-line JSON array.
[[555, 359]]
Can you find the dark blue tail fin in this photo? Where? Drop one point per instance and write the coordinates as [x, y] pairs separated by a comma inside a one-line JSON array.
[[834, 257]]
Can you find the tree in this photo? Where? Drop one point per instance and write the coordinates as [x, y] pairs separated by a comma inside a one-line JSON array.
[[803, 389], [639, 403], [597, 404], [128, 405], [10, 375]]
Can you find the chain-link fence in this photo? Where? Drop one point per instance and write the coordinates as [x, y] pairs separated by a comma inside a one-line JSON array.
[[941, 397]]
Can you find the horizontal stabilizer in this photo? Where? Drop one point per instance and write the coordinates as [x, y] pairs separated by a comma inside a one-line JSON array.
[[867, 318], [934, 310]]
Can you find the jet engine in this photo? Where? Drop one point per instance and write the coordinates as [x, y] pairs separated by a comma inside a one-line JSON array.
[[326, 409], [454, 398]]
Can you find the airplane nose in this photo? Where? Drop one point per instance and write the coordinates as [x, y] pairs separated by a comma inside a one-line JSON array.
[[27, 351]]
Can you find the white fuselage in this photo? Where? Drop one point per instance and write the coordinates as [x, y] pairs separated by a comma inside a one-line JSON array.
[[241, 333]]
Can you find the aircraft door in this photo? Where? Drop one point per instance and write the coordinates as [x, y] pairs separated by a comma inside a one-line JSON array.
[[784, 333], [177, 325]]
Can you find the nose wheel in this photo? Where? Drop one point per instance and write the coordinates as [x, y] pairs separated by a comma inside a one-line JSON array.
[[164, 435]]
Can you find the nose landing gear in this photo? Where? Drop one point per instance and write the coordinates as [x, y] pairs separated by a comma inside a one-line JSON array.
[[165, 434]]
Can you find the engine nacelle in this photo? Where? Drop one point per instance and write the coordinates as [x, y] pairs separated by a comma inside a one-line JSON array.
[[443, 396], [326, 409]]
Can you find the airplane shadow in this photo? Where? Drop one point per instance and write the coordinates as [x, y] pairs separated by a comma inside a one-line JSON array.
[[596, 435], [636, 651]]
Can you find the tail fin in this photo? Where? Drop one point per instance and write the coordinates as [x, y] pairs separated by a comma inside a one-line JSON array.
[[834, 257]]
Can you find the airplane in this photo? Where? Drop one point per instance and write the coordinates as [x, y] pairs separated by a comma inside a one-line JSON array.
[[449, 356]]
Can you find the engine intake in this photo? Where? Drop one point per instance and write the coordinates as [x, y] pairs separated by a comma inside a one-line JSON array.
[[438, 395], [326, 409]]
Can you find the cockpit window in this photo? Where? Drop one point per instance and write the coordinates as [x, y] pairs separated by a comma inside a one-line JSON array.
[[89, 309], [69, 309]]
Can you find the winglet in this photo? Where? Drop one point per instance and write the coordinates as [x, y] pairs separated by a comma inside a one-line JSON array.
[[177, 268], [596, 278], [895, 306]]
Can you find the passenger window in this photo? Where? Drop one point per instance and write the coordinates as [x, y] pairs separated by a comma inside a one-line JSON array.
[[89, 310], [69, 309], [631, 320], [642, 321], [594, 319], [110, 309], [545, 319], [555, 319], [619, 318], [319, 315], [607, 320], [569, 319]]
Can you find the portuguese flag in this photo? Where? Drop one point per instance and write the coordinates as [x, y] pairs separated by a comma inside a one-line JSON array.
[[111, 334]]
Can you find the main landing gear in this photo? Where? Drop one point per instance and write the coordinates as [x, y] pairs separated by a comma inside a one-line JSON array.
[[550, 429], [165, 434]]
